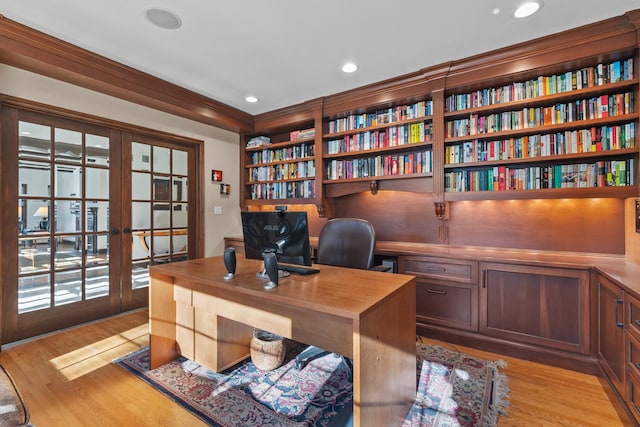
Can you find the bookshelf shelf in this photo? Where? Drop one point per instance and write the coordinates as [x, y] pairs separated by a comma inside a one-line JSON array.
[[555, 193]]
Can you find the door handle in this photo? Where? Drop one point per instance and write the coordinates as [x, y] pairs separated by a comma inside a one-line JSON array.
[[115, 231]]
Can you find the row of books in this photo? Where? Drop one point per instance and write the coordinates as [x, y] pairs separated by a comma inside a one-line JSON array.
[[613, 173], [302, 134], [586, 77], [389, 165], [293, 152], [388, 137], [298, 170], [594, 139], [594, 108], [258, 141], [381, 117], [284, 190]]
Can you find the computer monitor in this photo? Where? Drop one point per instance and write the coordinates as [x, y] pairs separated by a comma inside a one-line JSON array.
[[285, 233]]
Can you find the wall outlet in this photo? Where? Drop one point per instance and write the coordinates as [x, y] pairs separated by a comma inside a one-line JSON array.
[[217, 210]]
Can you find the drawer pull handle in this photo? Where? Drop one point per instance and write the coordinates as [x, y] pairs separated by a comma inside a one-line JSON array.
[[436, 269], [436, 291], [617, 316], [637, 322]]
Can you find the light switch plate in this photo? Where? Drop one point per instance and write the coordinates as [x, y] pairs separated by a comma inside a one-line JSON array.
[[217, 210]]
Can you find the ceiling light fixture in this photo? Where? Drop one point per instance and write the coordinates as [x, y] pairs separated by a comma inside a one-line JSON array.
[[251, 99], [527, 9], [349, 67], [163, 19]]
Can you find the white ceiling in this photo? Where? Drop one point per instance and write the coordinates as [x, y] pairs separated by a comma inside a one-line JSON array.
[[289, 51]]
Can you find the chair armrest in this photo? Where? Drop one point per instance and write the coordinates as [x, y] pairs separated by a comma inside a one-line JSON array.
[[381, 267]]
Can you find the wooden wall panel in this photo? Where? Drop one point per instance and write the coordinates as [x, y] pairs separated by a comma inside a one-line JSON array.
[[575, 225], [632, 239], [580, 225]]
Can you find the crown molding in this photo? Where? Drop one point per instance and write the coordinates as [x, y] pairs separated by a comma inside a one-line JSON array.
[[32, 50]]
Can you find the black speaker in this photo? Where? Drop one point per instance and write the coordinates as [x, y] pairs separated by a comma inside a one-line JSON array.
[[230, 263], [271, 267]]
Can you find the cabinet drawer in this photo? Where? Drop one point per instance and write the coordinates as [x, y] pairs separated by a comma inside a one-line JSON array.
[[633, 315], [633, 362], [441, 268], [450, 305], [633, 395]]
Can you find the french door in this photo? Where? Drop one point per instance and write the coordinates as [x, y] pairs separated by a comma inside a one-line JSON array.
[[95, 208]]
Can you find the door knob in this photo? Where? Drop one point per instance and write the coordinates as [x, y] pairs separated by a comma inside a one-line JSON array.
[[115, 231]]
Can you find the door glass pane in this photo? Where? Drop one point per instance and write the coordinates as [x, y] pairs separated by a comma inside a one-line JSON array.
[[140, 275], [97, 183], [33, 293], [97, 282], [180, 217], [140, 215], [140, 186], [96, 249], [161, 243], [67, 255], [68, 181], [34, 179], [180, 192], [97, 149], [161, 215], [140, 157], [34, 140], [180, 241], [161, 188], [97, 219], [33, 254], [68, 287], [67, 216], [180, 164], [161, 160], [68, 145]]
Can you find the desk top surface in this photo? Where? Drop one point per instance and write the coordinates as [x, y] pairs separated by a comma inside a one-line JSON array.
[[340, 291]]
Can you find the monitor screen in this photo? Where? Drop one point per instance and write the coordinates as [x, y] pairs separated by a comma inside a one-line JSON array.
[[284, 233]]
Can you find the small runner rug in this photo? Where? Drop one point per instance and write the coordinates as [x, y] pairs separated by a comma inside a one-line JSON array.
[[454, 389]]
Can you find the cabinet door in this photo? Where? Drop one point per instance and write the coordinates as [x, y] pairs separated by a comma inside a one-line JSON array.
[[536, 305], [611, 331]]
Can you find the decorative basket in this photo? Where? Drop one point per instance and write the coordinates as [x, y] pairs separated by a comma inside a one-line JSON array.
[[267, 350]]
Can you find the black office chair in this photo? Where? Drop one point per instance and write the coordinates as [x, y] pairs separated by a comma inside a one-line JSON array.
[[343, 242]]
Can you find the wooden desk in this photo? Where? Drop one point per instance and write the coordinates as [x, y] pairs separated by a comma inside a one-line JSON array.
[[365, 315]]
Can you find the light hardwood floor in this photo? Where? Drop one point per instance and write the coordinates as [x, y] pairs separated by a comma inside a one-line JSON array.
[[67, 379]]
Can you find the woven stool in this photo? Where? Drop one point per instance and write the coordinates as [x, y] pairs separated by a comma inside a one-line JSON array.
[[267, 350]]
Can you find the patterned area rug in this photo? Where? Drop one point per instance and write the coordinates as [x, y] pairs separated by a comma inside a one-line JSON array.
[[454, 389]]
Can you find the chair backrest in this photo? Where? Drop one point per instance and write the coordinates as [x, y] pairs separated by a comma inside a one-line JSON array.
[[346, 242]]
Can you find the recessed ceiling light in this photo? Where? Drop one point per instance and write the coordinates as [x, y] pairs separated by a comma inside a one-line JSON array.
[[349, 67], [527, 9], [163, 19], [251, 99], [496, 11]]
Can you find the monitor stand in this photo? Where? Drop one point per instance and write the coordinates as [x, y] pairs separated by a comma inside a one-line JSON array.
[[263, 274]]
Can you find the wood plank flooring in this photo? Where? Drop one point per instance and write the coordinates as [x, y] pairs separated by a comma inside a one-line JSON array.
[[67, 379]]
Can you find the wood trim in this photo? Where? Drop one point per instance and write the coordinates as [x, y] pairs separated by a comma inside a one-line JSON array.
[[32, 50]]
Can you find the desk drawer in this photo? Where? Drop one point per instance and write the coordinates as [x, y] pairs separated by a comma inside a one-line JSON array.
[[633, 315], [452, 305], [463, 271]]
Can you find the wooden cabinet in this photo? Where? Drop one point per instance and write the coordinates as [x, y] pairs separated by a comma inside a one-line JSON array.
[[632, 355], [446, 291], [543, 306], [611, 338]]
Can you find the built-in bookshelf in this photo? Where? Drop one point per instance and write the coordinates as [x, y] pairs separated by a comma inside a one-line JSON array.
[[390, 143], [281, 168], [573, 130]]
